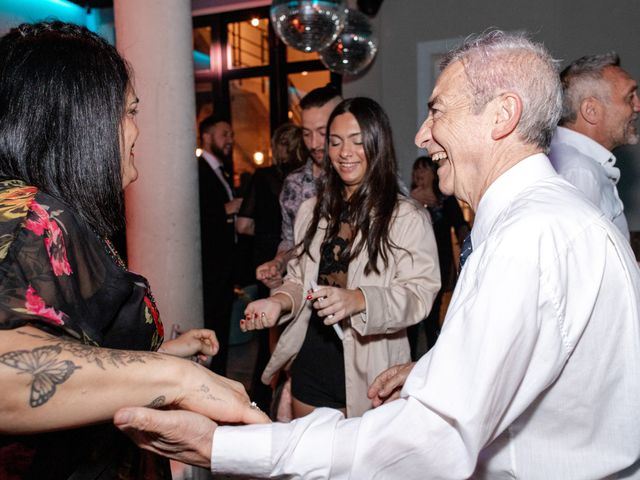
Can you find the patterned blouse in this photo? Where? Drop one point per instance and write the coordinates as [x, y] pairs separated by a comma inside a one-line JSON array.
[[58, 275], [298, 186]]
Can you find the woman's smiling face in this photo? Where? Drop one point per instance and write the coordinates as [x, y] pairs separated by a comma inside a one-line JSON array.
[[346, 151]]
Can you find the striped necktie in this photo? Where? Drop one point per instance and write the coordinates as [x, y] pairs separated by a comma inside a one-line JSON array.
[[466, 250]]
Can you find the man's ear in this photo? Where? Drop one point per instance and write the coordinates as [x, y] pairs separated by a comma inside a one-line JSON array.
[[508, 111], [591, 110], [206, 138]]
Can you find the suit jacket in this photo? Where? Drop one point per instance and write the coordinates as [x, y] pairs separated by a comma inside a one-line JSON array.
[[217, 229], [400, 296]]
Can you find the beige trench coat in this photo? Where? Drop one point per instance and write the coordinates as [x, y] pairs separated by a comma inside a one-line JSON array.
[[400, 296]]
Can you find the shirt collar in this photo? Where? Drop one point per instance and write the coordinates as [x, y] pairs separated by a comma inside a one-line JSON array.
[[211, 159], [584, 145], [502, 191]]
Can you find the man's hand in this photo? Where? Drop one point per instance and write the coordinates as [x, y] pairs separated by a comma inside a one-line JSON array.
[[177, 434], [270, 273], [386, 387], [232, 207]]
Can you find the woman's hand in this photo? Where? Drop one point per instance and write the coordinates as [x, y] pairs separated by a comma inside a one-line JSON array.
[[335, 304], [426, 196], [198, 341], [219, 398], [263, 313]]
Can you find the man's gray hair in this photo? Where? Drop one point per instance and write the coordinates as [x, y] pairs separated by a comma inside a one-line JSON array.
[[583, 79], [497, 62]]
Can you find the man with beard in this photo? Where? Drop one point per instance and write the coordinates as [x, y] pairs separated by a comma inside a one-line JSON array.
[[600, 108], [300, 184], [218, 209]]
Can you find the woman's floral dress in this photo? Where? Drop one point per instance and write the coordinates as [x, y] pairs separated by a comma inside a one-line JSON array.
[[58, 275]]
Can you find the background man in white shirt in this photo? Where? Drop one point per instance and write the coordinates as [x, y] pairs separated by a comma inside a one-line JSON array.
[[536, 373], [600, 109]]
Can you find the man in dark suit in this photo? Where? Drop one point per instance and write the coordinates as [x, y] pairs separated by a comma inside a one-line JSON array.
[[218, 208]]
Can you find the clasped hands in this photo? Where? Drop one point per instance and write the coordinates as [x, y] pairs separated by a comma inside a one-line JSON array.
[[187, 436], [197, 401]]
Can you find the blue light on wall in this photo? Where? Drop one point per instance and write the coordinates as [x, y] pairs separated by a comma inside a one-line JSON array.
[[14, 12], [201, 61], [98, 20]]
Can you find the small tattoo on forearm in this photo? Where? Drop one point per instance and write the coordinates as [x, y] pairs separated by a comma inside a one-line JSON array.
[[44, 365], [204, 389], [157, 402]]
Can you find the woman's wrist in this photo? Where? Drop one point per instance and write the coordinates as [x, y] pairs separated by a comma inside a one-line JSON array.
[[284, 301]]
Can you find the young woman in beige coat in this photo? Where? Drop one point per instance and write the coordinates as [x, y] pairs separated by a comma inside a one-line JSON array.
[[367, 263]]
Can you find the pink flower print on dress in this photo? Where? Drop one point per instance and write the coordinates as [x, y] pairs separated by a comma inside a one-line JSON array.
[[53, 241], [40, 225], [36, 306], [57, 253]]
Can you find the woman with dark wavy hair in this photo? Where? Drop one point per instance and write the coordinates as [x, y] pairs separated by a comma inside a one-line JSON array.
[[367, 263], [80, 333]]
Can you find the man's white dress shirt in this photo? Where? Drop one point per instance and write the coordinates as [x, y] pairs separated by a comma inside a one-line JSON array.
[[589, 166], [536, 374]]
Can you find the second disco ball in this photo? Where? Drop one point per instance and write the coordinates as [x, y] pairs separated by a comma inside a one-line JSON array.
[[354, 48]]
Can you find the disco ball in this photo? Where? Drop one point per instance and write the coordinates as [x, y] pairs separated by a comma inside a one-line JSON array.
[[354, 48], [308, 25]]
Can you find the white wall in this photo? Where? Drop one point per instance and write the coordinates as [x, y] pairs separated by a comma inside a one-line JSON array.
[[569, 32]]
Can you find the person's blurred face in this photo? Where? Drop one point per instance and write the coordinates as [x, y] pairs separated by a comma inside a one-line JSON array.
[[621, 111], [454, 136], [346, 151], [129, 130], [314, 127], [221, 139], [423, 177]]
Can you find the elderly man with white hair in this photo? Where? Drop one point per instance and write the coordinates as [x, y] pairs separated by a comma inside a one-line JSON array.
[[536, 374]]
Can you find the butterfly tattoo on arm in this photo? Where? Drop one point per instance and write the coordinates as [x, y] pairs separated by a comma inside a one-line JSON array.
[[44, 365]]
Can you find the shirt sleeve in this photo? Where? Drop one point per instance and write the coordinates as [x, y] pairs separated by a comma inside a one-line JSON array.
[[289, 202], [45, 280]]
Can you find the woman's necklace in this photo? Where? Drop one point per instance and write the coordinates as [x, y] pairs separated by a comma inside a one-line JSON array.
[[113, 253], [115, 256]]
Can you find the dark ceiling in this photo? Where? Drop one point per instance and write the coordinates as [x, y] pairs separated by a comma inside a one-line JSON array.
[[370, 7], [94, 3]]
